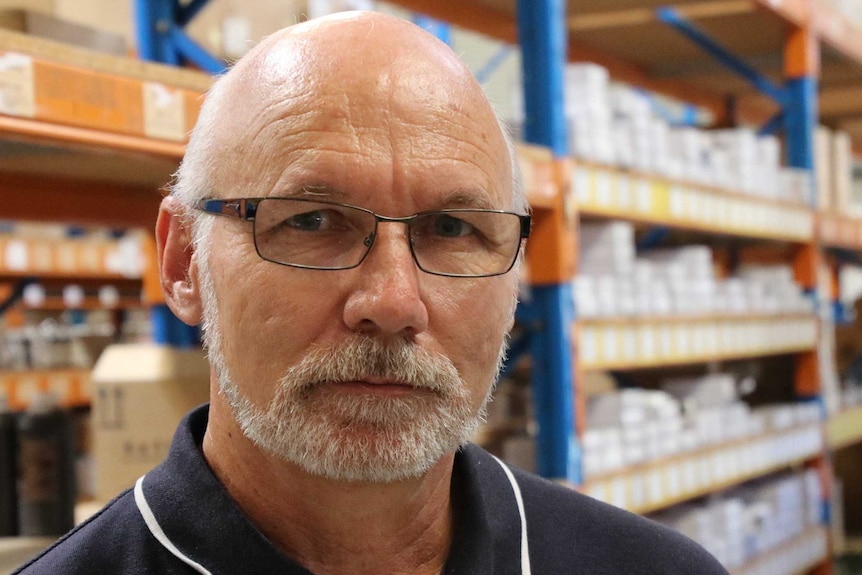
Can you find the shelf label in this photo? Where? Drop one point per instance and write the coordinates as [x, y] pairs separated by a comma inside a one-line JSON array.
[[624, 192], [164, 112], [609, 344], [42, 257], [677, 202], [603, 188], [17, 88], [644, 196], [582, 185], [630, 345], [674, 480], [646, 343], [589, 351], [66, 258], [16, 256], [618, 492]]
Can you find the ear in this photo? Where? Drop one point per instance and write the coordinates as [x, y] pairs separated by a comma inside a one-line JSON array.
[[177, 262]]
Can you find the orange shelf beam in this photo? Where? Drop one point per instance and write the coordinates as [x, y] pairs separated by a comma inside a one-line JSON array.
[[43, 132], [53, 198]]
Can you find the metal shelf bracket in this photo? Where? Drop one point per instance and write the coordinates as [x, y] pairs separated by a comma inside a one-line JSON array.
[[161, 38], [673, 18]]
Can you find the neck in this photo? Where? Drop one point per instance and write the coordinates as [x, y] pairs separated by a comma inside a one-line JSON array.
[[332, 526]]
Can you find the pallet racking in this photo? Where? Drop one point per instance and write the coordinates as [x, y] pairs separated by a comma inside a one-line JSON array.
[[87, 139], [783, 64]]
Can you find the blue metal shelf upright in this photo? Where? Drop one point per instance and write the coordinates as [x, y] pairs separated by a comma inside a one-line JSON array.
[[543, 38], [159, 26]]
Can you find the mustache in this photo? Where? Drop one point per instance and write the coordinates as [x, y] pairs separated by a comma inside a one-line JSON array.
[[363, 357]]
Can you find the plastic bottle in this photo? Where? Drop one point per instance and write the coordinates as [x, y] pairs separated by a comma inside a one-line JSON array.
[[46, 469], [8, 473]]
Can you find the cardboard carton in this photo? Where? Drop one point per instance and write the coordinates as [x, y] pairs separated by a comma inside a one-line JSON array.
[[47, 26], [140, 393]]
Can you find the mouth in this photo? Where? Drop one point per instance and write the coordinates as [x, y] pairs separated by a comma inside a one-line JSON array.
[[374, 387]]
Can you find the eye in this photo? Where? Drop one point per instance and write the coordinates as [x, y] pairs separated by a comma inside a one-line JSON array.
[[451, 227], [308, 221]]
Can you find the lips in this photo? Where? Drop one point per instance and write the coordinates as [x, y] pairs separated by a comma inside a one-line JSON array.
[[374, 386]]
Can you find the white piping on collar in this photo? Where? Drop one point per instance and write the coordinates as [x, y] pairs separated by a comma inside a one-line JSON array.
[[525, 548], [158, 532]]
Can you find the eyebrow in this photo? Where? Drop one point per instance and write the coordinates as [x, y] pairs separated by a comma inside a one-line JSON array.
[[457, 198], [318, 191], [468, 198]]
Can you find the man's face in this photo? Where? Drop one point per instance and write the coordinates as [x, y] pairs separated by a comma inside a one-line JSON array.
[[419, 352]]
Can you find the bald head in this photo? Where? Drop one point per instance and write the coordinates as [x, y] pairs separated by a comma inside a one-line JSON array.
[[342, 76]]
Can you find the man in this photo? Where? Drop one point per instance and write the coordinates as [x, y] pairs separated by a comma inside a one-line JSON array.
[[345, 224]]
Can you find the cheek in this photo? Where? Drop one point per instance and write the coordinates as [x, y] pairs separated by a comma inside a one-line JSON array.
[[470, 323], [266, 324]]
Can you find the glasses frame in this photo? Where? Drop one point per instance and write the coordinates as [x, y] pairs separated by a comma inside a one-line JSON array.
[[246, 209]]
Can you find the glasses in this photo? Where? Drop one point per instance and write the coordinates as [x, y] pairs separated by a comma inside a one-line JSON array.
[[310, 234]]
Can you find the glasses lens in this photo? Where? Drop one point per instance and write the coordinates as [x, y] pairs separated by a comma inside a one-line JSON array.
[[311, 234], [466, 242]]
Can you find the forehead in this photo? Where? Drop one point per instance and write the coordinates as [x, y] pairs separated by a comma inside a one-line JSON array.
[[405, 125]]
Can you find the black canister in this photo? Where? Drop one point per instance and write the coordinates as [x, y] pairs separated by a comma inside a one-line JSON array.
[[8, 474], [46, 469]]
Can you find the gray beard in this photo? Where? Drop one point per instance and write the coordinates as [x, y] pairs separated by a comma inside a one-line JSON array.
[[354, 437]]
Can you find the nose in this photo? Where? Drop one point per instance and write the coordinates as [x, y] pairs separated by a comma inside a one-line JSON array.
[[386, 297]]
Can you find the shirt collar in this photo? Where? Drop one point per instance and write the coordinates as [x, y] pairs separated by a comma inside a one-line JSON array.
[[199, 517]]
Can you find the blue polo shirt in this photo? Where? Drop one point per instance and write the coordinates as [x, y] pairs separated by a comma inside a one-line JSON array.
[[180, 519]]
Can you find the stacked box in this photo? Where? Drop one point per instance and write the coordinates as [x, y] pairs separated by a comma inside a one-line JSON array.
[[833, 164], [688, 273], [690, 149], [630, 426], [795, 185], [635, 129], [842, 172], [823, 167], [636, 426], [607, 249], [740, 145], [751, 520], [768, 165], [588, 115], [772, 288], [618, 125], [613, 282]]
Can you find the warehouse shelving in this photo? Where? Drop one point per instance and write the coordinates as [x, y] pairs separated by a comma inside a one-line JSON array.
[[71, 386], [801, 554], [837, 231], [87, 139], [633, 343], [66, 258], [844, 428], [659, 484], [796, 52], [608, 192]]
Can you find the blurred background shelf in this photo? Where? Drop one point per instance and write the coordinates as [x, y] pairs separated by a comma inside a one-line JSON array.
[[844, 428], [663, 483]]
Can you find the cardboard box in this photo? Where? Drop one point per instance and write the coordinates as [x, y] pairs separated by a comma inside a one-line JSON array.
[[842, 171], [41, 6], [46, 26], [141, 391]]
